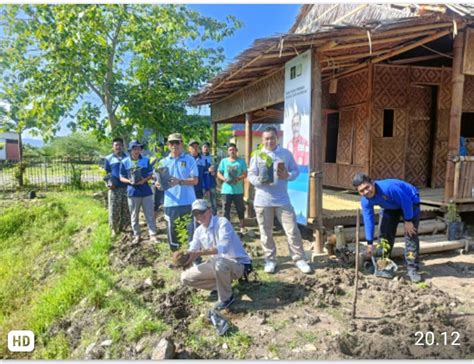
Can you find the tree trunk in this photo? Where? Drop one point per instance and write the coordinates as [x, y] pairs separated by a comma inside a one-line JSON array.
[[21, 167]]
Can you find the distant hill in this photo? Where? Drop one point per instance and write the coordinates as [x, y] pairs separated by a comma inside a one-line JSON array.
[[33, 142]]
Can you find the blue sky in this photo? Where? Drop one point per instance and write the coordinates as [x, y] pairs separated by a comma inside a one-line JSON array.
[[259, 21]]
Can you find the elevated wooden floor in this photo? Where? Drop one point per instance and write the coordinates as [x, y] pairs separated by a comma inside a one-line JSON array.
[[339, 207]]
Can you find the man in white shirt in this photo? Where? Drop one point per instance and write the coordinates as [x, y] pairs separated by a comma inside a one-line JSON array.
[[228, 260]]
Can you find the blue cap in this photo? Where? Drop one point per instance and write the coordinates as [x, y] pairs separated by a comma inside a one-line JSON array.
[[134, 143]]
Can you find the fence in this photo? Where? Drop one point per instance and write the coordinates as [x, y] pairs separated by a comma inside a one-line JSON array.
[[49, 173], [464, 178]]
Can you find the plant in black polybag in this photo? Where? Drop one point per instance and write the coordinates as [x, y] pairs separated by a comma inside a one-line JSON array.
[[219, 322]]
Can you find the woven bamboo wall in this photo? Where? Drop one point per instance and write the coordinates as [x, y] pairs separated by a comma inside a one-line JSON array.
[[267, 91], [468, 98], [442, 129], [391, 85], [418, 158], [352, 90], [344, 141]]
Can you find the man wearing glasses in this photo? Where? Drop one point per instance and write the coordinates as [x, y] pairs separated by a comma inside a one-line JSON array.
[[398, 199], [180, 194], [215, 237]]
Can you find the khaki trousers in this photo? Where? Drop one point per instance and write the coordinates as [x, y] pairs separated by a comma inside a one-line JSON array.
[[286, 216], [215, 273]]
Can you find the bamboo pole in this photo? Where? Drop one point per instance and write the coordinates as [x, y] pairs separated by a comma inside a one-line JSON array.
[[329, 59], [354, 302], [316, 150], [457, 172], [214, 139], [454, 114], [383, 40], [248, 152], [370, 106], [416, 59]]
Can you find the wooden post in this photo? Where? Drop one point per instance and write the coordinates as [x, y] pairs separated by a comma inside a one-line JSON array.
[[457, 172], [214, 139], [248, 151], [370, 106], [316, 150], [454, 114], [354, 302]]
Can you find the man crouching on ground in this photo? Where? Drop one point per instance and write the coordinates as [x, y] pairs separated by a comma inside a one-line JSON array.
[[227, 261]]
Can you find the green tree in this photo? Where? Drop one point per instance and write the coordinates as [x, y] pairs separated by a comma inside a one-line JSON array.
[[76, 145], [141, 62]]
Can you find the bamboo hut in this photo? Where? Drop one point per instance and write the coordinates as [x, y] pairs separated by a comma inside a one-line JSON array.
[[392, 93]]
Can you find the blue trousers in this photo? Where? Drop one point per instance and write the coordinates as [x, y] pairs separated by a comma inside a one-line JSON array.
[[171, 214], [388, 229]]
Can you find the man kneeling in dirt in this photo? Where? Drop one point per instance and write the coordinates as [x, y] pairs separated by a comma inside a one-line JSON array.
[[227, 261], [398, 199]]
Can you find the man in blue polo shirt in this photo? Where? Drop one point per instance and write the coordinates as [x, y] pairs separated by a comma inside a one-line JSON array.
[[209, 177], [136, 171], [398, 199], [119, 215], [201, 186], [179, 197]]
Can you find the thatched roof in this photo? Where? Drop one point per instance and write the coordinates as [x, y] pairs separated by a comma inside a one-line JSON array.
[[347, 36]]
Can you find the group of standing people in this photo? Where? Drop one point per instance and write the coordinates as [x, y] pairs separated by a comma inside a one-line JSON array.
[[190, 188]]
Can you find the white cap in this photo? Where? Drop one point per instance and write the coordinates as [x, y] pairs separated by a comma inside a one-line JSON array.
[[201, 205]]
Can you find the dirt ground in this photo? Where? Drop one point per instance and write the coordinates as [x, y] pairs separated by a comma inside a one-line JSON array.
[[293, 316], [309, 317]]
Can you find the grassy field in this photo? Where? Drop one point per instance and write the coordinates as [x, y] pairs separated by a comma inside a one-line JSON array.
[[54, 255], [56, 275]]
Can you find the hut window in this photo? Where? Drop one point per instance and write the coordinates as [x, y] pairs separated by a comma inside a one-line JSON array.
[[332, 131], [388, 123], [467, 124]]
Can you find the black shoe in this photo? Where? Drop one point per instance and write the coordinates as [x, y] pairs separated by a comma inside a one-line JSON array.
[[213, 294], [414, 276], [384, 274], [222, 305]]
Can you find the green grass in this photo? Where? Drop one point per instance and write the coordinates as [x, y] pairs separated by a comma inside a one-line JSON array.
[[55, 258]]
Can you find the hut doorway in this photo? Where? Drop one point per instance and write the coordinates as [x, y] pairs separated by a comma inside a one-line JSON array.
[[421, 135]]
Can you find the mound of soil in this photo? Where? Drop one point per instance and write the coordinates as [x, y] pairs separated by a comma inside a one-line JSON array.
[[125, 252]]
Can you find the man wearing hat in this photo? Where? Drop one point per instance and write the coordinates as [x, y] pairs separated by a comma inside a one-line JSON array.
[[136, 171], [193, 149], [215, 237], [179, 197]]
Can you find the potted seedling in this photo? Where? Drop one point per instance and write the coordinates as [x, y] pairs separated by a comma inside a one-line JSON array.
[[264, 165], [163, 176], [383, 266], [135, 175], [232, 174], [455, 225]]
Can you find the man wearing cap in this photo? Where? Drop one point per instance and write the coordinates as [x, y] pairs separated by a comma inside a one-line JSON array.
[[136, 171], [209, 176], [215, 237], [193, 149], [119, 215], [179, 197], [273, 199]]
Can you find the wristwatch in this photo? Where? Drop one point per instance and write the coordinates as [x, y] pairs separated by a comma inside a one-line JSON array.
[[180, 182]]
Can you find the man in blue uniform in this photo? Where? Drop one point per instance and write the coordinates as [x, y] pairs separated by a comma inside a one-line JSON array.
[[398, 199], [201, 186], [209, 177], [136, 171], [119, 215], [180, 195]]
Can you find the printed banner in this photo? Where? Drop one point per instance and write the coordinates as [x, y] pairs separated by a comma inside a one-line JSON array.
[[296, 128]]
